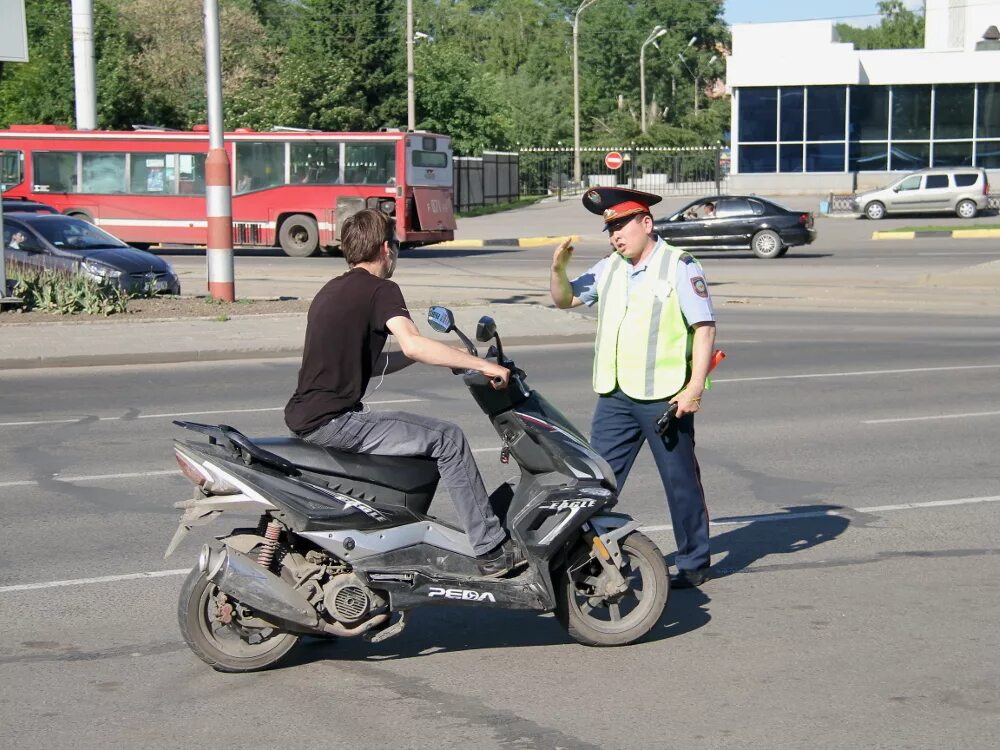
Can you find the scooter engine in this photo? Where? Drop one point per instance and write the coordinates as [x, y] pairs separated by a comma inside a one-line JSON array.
[[348, 600]]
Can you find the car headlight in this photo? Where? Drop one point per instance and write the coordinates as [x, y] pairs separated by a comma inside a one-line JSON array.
[[100, 270]]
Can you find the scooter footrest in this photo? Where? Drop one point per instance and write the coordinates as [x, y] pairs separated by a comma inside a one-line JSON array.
[[377, 636]]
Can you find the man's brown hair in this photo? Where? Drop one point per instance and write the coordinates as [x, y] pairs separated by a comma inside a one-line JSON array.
[[362, 236]]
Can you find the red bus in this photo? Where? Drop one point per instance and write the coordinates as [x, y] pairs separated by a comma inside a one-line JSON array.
[[290, 189]]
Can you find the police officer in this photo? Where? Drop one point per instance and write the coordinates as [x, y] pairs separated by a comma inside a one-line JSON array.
[[655, 336]]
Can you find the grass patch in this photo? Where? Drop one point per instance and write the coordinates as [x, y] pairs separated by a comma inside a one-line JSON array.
[[500, 207], [934, 228]]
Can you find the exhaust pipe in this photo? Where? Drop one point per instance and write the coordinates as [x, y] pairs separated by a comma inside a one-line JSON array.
[[242, 577]]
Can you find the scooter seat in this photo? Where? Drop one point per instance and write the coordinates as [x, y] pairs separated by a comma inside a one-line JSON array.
[[403, 473]]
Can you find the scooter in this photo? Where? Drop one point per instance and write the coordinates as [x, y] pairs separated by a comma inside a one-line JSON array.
[[344, 545]]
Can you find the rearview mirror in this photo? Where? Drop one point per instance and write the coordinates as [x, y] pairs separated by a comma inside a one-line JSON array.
[[441, 319], [486, 329]]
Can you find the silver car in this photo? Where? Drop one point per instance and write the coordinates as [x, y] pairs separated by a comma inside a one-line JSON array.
[[960, 190]]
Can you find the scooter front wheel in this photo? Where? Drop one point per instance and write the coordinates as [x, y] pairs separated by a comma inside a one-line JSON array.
[[596, 619], [223, 634]]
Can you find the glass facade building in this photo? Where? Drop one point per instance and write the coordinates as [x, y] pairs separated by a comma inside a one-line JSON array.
[[789, 129]]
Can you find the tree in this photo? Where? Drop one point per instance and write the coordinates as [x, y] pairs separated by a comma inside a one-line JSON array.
[[900, 28]]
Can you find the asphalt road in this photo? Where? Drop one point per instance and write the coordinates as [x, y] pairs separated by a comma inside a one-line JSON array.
[[850, 466]]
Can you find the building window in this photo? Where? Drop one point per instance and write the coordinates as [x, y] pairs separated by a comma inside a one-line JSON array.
[[909, 156], [953, 107], [757, 158], [869, 113], [988, 120], [791, 157], [792, 112], [954, 154], [825, 116], [824, 157], [911, 112], [758, 117], [868, 157], [988, 154]]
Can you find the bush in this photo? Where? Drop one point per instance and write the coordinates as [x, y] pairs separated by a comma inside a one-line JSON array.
[[51, 291]]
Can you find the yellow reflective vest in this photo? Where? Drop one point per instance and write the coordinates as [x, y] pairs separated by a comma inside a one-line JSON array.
[[643, 343]]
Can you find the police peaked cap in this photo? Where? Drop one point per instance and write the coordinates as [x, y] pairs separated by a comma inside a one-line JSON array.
[[613, 203]]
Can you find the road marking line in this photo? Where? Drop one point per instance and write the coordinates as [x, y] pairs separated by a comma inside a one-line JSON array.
[[855, 373], [771, 517], [89, 478], [184, 414], [938, 416], [734, 521], [86, 581]]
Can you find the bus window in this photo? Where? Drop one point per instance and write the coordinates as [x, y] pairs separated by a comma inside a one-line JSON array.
[[11, 172], [431, 159], [54, 172], [315, 163], [370, 164], [191, 174], [154, 174], [259, 165], [104, 173]]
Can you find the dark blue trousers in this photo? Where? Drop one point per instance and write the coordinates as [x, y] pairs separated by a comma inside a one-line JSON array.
[[621, 425]]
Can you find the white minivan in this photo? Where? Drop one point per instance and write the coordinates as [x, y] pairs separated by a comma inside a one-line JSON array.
[[960, 190]]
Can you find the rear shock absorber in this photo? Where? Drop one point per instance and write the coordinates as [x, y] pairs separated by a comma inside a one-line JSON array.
[[266, 555]]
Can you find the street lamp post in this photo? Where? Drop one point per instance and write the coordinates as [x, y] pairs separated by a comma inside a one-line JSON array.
[[695, 73], [576, 88], [655, 34], [411, 86]]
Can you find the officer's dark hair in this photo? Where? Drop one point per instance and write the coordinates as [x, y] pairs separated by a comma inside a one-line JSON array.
[[362, 235]]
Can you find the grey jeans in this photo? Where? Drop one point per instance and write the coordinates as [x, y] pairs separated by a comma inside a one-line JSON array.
[[399, 433]]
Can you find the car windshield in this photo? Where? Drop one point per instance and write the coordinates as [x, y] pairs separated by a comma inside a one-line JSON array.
[[75, 234]]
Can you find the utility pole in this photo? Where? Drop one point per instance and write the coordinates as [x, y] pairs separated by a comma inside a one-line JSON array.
[[218, 184], [655, 34], [411, 83], [83, 64], [577, 171]]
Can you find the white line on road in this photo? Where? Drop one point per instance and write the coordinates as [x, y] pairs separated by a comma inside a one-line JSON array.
[[88, 478], [936, 416], [856, 373], [734, 521], [182, 414]]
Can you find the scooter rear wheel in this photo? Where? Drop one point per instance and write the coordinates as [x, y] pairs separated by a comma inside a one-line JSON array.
[[226, 646], [621, 619]]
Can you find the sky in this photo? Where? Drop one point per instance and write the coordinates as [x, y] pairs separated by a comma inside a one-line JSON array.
[[853, 12]]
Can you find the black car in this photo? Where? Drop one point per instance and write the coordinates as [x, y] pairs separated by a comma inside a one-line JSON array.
[[32, 207], [727, 222], [62, 243]]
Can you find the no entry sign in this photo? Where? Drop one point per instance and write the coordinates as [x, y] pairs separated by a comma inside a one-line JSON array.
[[613, 160]]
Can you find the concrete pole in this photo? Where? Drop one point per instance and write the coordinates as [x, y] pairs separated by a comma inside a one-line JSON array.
[[83, 64], [577, 171], [411, 76], [218, 186], [642, 87]]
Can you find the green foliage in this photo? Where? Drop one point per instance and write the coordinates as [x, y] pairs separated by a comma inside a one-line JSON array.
[[490, 73], [900, 28], [51, 291]]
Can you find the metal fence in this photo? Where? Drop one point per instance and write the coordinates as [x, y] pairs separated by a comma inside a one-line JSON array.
[[663, 170], [485, 180]]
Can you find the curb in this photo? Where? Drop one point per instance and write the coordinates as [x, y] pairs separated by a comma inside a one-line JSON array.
[[957, 234]]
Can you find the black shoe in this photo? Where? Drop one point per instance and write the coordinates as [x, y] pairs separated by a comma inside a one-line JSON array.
[[689, 579], [501, 559]]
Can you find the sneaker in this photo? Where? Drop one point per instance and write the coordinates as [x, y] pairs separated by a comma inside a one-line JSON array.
[[501, 559], [690, 579]]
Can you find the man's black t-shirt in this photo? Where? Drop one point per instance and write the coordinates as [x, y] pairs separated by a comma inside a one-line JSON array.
[[345, 334]]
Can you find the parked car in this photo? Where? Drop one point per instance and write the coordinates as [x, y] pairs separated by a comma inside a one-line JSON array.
[[63, 243], [962, 190], [729, 222], [14, 204]]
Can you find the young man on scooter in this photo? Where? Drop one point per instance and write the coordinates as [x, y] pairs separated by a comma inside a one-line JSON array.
[[349, 321]]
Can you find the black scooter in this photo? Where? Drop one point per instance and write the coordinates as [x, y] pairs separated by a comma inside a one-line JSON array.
[[345, 546]]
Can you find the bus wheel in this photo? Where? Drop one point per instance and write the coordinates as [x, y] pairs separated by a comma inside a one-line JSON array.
[[299, 236], [81, 215]]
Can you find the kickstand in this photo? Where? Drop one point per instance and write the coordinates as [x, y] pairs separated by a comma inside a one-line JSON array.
[[390, 631]]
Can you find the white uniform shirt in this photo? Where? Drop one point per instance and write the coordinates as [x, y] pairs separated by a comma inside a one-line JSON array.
[[692, 289]]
